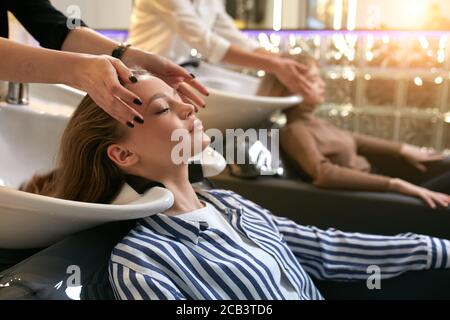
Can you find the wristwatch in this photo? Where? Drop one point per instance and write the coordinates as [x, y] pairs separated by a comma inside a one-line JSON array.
[[120, 50]]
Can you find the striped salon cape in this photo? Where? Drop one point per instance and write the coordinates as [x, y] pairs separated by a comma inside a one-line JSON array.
[[169, 258]]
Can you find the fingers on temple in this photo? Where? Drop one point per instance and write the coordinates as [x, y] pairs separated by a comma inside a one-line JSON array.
[[198, 86], [125, 75], [187, 92], [128, 97]]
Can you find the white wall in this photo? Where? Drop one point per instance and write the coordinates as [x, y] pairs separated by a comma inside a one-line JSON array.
[[100, 14], [293, 14]]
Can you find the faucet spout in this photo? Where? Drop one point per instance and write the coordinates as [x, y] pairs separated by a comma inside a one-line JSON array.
[[17, 93]]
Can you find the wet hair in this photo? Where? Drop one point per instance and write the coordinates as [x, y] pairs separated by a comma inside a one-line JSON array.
[[85, 172]]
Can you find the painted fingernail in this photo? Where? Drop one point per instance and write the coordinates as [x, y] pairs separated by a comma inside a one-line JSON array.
[[130, 124], [133, 79], [139, 120], [192, 75], [137, 102]]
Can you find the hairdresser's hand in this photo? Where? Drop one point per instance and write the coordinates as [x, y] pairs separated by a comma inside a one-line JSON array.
[[100, 77], [433, 199], [174, 75], [292, 75], [418, 157]]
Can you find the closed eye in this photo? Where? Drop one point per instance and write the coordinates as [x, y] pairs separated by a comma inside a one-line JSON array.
[[163, 111]]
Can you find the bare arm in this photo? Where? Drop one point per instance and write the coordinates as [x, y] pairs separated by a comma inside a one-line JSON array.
[[22, 63], [289, 72]]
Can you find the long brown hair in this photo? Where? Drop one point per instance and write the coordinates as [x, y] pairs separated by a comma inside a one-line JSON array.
[[84, 172], [270, 86]]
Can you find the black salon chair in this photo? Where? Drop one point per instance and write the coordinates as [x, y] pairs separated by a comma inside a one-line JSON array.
[[47, 276], [371, 212]]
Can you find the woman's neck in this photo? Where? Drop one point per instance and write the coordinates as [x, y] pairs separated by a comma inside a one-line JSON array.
[[299, 113], [185, 198]]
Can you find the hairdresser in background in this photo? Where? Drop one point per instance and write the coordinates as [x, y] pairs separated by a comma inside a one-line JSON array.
[[86, 63], [174, 27]]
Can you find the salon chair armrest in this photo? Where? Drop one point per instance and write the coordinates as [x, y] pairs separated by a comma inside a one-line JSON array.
[[45, 275], [400, 168], [414, 285]]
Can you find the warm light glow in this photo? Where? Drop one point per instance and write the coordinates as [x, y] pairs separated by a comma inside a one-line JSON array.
[[292, 40], [277, 14], [443, 42], [413, 16], [447, 117], [338, 11], [333, 75], [370, 41], [369, 56], [424, 42], [261, 73], [441, 56], [418, 81], [439, 80], [351, 14]]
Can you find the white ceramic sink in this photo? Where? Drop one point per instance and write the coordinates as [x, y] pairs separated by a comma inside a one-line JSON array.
[[29, 135], [233, 102]]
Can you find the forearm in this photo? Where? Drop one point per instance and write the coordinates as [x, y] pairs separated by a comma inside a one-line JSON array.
[[344, 256], [85, 40], [331, 176], [21, 63], [374, 145], [251, 59]]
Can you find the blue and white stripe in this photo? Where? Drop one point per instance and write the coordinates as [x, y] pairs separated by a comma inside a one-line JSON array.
[[169, 258]]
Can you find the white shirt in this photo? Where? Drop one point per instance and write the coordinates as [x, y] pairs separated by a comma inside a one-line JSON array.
[[216, 220], [174, 27]]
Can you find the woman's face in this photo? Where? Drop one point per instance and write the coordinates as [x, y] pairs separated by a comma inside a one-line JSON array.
[[317, 96], [164, 112]]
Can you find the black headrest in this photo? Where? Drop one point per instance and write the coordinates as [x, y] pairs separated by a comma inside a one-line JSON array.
[[52, 274]]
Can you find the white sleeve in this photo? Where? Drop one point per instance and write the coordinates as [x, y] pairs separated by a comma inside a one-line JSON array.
[[181, 17], [225, 27]]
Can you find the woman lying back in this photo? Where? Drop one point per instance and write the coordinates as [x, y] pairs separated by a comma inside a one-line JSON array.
[[335, 159], [210, 244]]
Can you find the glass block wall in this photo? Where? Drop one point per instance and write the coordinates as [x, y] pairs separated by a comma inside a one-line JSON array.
[[393, 85]]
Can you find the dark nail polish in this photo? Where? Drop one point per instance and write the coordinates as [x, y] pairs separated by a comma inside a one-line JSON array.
[[129, 124], [137, 102], [139, 120], [133, 79], [192, 76]]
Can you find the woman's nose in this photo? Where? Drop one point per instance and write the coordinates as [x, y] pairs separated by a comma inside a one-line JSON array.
[[186, 110]]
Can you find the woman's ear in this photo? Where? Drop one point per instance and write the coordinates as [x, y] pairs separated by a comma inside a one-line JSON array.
[[122, 156]]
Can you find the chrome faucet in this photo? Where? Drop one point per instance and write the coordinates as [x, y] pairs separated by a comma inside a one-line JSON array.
[[17, 93]]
